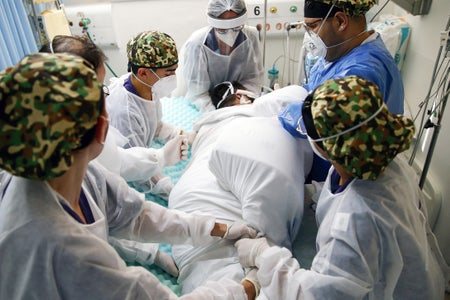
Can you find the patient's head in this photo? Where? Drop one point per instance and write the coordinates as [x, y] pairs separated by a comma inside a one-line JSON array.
[[230, 94]]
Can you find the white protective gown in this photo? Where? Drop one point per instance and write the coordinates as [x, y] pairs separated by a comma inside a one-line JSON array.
[[52, 256], [372, 244], [133, 164], [139, 120], [200, 68]]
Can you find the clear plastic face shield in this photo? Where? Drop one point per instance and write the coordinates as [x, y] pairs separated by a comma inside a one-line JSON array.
[[227, 30]]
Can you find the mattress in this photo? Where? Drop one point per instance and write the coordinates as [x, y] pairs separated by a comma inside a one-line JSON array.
[[179, 112]]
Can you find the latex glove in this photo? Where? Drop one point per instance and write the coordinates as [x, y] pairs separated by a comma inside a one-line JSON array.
[[251, 277], [249, 249], [239, 230], [162, 188], [165, 262], [191, 137], [173, 151]]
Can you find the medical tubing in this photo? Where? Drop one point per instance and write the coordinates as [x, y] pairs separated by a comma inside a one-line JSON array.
[[434, 138], [427, 98], [378, 12]]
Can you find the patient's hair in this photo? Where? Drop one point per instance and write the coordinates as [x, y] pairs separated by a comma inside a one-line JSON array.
[[219, 91], [78, 45]]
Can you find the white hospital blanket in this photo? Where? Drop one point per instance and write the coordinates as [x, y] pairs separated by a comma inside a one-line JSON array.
[[244, 166]]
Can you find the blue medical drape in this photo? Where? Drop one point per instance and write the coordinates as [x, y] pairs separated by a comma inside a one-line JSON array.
[[16, 36]]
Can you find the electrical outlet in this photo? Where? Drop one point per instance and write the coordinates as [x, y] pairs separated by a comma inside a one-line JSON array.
[[279, 15]]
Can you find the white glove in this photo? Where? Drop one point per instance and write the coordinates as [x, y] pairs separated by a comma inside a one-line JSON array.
[[251, 276], [249, 249], [165, 262], [173, 151], [190, 137], [239, 230], [162, 187]]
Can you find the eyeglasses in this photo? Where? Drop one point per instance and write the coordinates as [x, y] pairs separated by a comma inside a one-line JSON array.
[[105, 90], [310, 26], [224, 31]]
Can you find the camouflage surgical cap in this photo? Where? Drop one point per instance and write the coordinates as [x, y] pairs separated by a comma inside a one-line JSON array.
[[47, 104], [350, 7], [341, 104], [152, 49]]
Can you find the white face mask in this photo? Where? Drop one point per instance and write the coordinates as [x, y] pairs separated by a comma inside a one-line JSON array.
[[315, 45], [314, 148], [164, 86], [229, 37]]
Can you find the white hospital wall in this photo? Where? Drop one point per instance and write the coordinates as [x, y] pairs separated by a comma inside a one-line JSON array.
[[181, 18]]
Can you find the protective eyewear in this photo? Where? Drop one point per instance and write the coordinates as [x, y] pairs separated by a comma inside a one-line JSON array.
[[310, 26], [224, 31]]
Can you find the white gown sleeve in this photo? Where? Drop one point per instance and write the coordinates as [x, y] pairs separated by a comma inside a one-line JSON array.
[[281, 277], [130, 216], [98, 273], [159, 224], [166, 131]]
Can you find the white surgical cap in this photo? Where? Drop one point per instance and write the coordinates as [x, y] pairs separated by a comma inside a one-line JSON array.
[[218, 7]]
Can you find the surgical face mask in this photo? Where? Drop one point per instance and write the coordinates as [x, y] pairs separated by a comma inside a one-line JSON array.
[[314, 148], [314, 45], [164, 86], [229, 37]]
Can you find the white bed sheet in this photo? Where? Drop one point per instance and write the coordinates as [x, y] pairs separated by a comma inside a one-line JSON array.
[[244, 166]]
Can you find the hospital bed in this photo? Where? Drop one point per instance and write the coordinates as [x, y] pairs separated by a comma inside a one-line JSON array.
[[243, 166]]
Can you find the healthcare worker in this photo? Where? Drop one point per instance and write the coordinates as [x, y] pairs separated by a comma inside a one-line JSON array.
[[226, 50], [53, 124], [373, 241], [138, 163], [338, 35], [134, 105]]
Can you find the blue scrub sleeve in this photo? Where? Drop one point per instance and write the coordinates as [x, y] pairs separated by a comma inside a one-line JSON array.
[[289, 118]]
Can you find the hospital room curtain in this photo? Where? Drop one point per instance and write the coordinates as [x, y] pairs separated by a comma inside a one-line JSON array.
[[16, 36]]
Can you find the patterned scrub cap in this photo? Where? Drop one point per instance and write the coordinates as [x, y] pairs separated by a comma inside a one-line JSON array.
[[351, 7], [152, 49], [356, 128], [47, 104]]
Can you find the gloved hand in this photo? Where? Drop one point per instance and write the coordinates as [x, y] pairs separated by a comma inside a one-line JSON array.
[[165, 262], [249, 249], [190, 137], [173, 151], [251, 277], [163, 186], [239, 230]]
